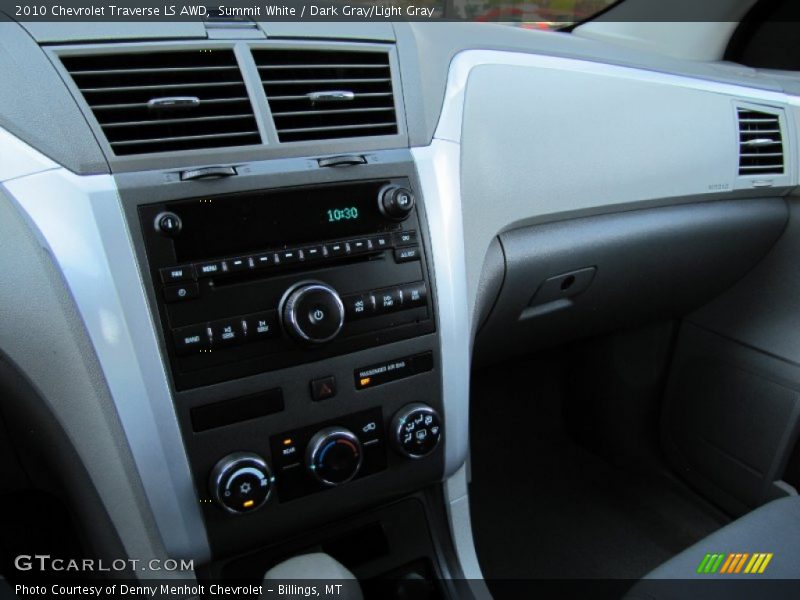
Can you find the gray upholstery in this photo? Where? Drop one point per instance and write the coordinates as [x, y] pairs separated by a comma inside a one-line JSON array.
[[315, 569], [773, 528]]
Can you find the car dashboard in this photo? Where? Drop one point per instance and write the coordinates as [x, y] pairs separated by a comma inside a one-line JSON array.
[[261, 261]]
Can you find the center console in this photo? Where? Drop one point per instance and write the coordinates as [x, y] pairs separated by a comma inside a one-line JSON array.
[[297, 317]]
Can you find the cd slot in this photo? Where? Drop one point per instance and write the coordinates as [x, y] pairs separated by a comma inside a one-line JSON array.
[[234, 278]]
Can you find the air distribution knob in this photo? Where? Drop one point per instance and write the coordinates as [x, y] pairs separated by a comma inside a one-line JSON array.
[[416, 430], [312, 312], [396, 203], [334, 456], [241, 482]]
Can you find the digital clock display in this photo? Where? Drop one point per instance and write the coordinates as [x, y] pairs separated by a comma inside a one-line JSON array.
[[245, 222], [347, 213]]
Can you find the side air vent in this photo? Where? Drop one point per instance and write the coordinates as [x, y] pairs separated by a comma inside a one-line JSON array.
[[760, 143], [167, 101], [324, 95]]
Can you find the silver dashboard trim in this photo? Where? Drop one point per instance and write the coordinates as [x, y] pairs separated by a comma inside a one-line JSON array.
[[19, 159], [449, 127], [81, 223], [438, 169]]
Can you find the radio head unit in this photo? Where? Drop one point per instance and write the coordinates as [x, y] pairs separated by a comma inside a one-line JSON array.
[[255, 281]]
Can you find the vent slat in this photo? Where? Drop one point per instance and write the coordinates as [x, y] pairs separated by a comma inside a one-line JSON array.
[[334, 81], [153, 71], [118, 88], [356, 96], [165, 86], [96, 107], [323, 66], [341, 111], [338, 127], [176, 121], [761, 167], [759, 130], [291, 77], [745, 121], [185, 138]]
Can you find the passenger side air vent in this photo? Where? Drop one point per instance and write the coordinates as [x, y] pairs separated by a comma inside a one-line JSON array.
[[166, 101], [760, 143], [324, 95]]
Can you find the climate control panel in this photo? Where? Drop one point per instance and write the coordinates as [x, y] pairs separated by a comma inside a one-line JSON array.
[[416, 430], [241, 482], [334, 456], [322, 456]]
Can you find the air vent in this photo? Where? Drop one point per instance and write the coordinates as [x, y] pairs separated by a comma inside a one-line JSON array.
[[324, 95], [760, 143], [167, 101]]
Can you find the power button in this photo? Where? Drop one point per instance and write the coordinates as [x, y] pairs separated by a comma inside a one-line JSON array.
[[313, 313], [169, 224]]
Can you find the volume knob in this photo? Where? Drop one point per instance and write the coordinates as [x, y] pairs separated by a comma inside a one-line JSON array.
[[313, 313]]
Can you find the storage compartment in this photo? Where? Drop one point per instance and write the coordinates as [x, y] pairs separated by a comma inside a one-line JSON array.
[[391, 550], [591, 275], [731, 419]]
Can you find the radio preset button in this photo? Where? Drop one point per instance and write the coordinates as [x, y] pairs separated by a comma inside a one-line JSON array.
[[314, 253], [226, 333], [238, 264], [337, 249], [177, 274], [177, 293], [359, 246], [381, 242], [406, 254], [191, 339], [264, 260], [260, 326], [289, 257]]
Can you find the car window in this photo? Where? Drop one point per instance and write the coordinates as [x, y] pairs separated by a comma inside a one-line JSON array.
[[541, 14]]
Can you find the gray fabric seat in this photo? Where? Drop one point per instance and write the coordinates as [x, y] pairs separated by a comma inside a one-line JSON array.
[[771, 529]]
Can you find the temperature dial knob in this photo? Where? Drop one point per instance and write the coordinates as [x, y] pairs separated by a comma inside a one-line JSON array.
[[416, 430], [396, 203], [334, 456], [241, 482], [313, 312]]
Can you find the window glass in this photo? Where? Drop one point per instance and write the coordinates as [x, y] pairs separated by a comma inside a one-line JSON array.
[[541, 14]]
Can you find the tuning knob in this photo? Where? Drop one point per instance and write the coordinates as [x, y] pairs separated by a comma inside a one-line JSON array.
[[313, 313], [241, 482], [334, 456], [416, 430], [396, 203]]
